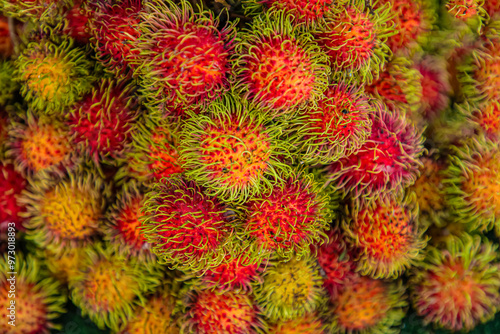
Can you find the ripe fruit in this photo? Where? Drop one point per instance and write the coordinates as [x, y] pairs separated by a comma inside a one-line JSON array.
[[278, 66], [11, 186], [487, 117], [307, 324], [458, 287]]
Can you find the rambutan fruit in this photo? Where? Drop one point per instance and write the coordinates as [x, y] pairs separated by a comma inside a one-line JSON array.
[[472, 183], [8, 87], [11, 186], [38, 301], [67, 212], [458, 287], [122, 229], [306, 324], [6, 45], [287, 220], [337, 126], [487, 118], [337, 261], [304, 12], [355, 38], [64, 263], [290, 289], [468, 11], [76, 22], [156, 316], [413, 21], [385, 234], [187, 228], [41, 146], [108, 287], [183, 56], [492, 7], [279, 66], [213, 312], [102, 122], [46, 11], [53, 76], [429, 191], [368, 305], [386, 162], [233, 151], [114, 28], [399, 87]]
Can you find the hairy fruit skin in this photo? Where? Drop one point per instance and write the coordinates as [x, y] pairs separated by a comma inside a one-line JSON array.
[[458, 287], [234, 151], [12, 184], [186, 228], [388, 161], [278, 66], [289, 219], [46, 11], [308, 324], [187, 66]]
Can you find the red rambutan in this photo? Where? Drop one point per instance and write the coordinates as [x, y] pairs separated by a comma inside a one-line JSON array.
[[11, 186], [487, 117], [75, 22]]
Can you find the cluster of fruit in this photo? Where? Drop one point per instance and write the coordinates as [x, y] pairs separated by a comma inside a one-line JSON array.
[[253, 166]]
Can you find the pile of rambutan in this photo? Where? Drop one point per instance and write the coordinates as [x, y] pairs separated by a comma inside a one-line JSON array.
[[250, 166]]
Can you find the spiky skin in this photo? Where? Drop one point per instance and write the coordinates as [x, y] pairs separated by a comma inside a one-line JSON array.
[[473, 184], [108, 287], [289, 219], [458, 287], [290, 289], [12, 185], [233, 151], [399, 87], [386, 162], [37, 296], [41, 146], [277, 65], [212, 312], [414, 22], [8, 87], [154, 317], [102, 122], [6, 45], [198, 72], [53, 76], [64, 264], [467, 10], [45, 11], [123, 224], [355, 39], [65, 213], [115, 29], [386, 236], [487, 117], [154, 154], [75, 22], [369, 306], [186, 227], [337, 260], [429, 191], [304, 12], [307, 324], [337, 126]]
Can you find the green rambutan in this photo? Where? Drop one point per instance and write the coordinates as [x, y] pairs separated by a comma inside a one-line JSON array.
[[187, 228], [367, 306], [8, 87], [213, 312], [458, 287], [102, 122], [290, 289], [337, 126], [472, 183], [41, 146], [306, 324], [337, 261], [355, 38], [108, 287], [122, 229], [277, 65], [67, 212], [11, 186], [115, 28], [386, 162], [234, 151], [38, 301], [53, 76], [183, 58], [287, 220], [385, 235]]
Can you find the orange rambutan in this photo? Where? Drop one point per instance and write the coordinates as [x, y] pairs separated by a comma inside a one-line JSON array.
[[487, 117], [307, 324]]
